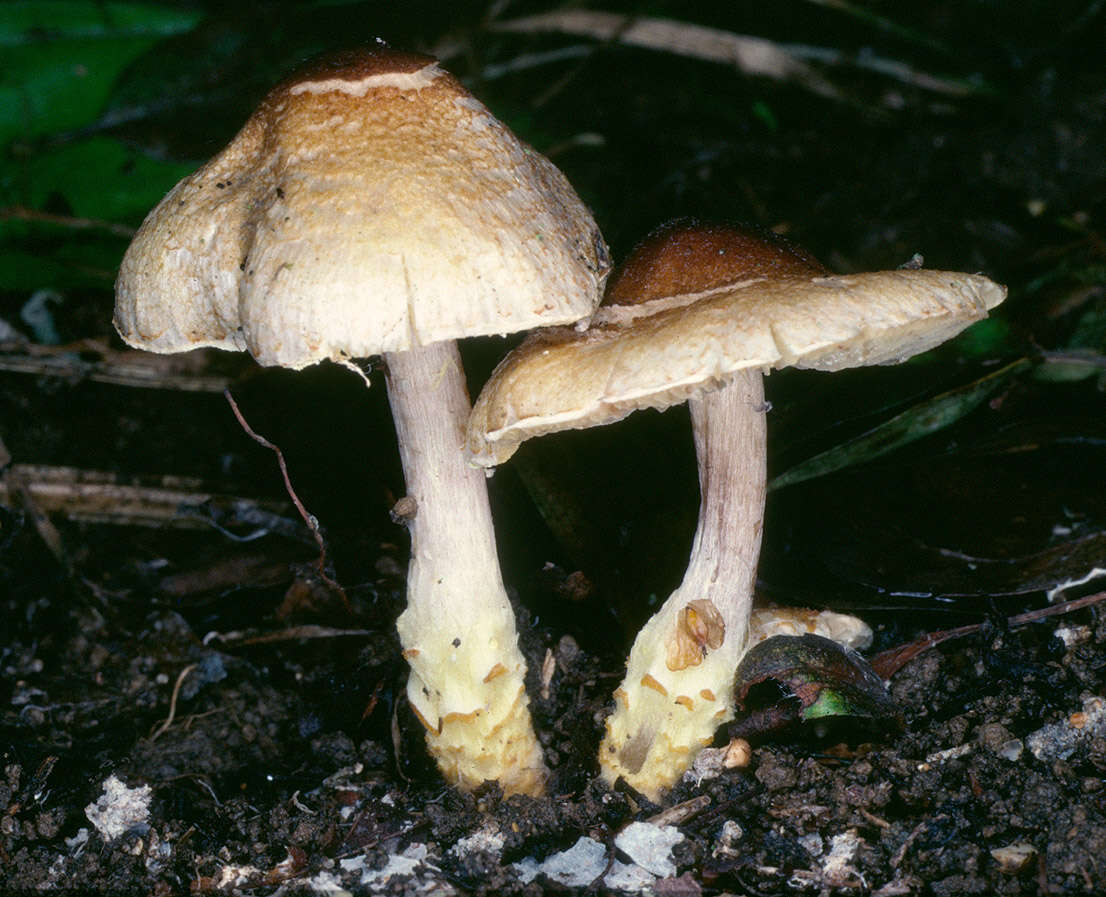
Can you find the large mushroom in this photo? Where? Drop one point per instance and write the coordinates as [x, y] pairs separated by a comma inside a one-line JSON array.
[[371, 205], [697, 313]]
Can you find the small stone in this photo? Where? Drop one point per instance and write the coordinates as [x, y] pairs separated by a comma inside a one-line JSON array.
[[993, 736], [1014, 858]]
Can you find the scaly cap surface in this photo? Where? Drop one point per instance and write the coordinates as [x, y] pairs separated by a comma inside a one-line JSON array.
[[369, 205]]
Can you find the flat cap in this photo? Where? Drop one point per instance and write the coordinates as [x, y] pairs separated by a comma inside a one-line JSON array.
[[665, 350]]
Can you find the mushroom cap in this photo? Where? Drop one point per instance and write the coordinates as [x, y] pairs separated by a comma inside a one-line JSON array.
[[669, 348], [370, 204]]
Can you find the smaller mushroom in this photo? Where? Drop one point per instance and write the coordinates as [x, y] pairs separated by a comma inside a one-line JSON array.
[[697, 313]]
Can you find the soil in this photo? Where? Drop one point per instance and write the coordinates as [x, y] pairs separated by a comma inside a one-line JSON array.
[[205, 656], [285, 758]]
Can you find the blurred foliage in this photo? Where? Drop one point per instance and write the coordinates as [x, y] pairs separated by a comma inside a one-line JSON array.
[[62, 59], [103, 106]]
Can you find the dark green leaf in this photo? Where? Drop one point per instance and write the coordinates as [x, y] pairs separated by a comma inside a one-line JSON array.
[[62, 58], [826, 678], [101, 178], [923, 419], [32, 257]]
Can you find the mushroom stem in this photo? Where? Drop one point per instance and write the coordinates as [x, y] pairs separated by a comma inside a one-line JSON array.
[[679, 678], [458, 631]]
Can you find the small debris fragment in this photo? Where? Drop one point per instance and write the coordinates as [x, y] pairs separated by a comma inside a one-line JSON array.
[[650, 846], [410, 862], [1014, 858], [487, 840], [952, 753], [837, 863], [737, 754], [1074, 635], [120, 809], [576, 867], [710, 763], [230, 878], [684, 886], [1059, 741], [624, 877], [1000, 741], [728, 840], [548, 668]]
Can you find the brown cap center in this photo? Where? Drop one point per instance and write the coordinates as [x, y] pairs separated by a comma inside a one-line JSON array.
[[688, 256]]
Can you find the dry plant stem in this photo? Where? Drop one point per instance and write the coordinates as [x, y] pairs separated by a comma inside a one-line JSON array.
[[664, 716], [22, 213], [96, 496], [309, 519], [888, 663], [753, 55], [173, 702], [14, 489], [458, 631], [127, 368]]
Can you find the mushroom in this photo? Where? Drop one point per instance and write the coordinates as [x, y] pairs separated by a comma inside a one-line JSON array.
[[697, 313], [371, 205]]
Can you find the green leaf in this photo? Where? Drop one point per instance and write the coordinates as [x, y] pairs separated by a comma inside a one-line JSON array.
[[923, 419], [33, 257], [101, 178], [34, 21], [825, 678], [88, 186], [62, 58], [990, 338], [1083, 351]]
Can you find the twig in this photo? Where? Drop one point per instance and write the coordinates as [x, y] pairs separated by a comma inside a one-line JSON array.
[[184, 372], [885, 24], [308, 518], [900, 854], [293, 633], [889, 68], [752, 55], [681, 812], [532, 60], [22, 213], [93, 496], [1075, 356], [15, 489], [889, 662], [173, 701]]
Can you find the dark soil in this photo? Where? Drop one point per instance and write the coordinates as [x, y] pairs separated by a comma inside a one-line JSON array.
[[285, 758], [205, 657]]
